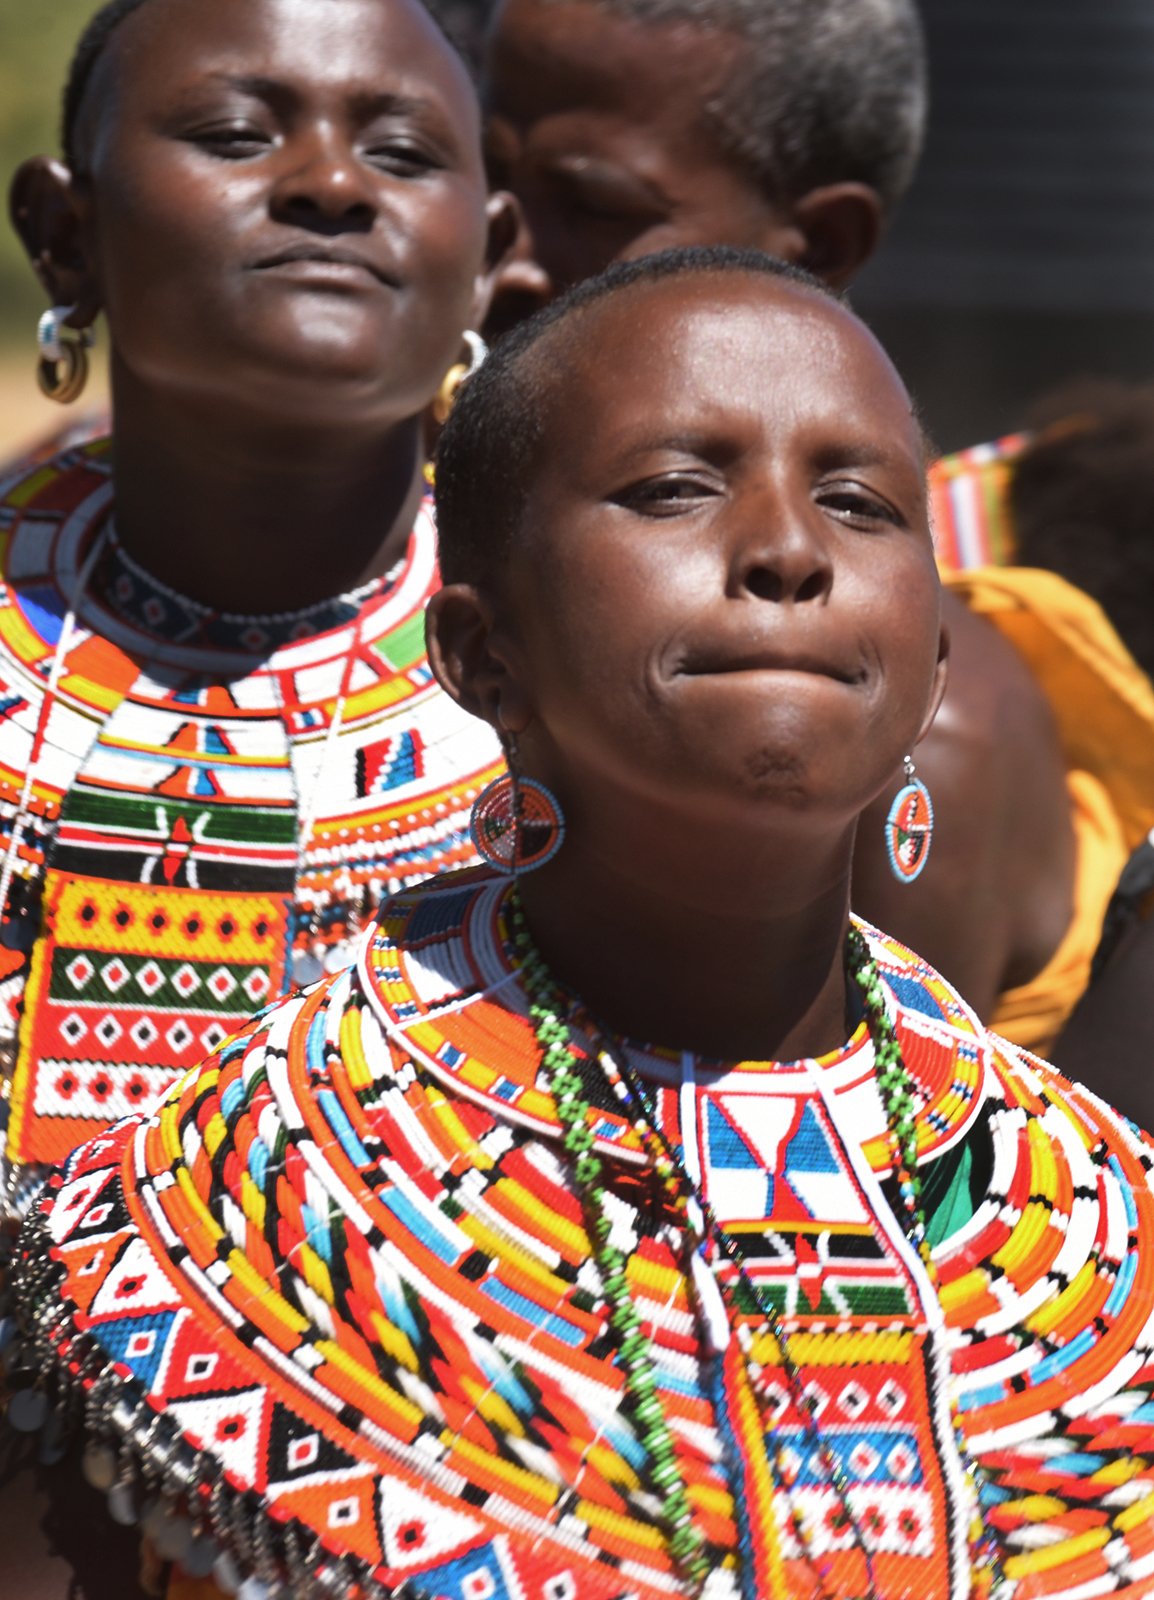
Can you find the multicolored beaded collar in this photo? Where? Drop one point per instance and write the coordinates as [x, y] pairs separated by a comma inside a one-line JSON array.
[[216, 802], [944, 1047], [724, 1282], [339, 1311]]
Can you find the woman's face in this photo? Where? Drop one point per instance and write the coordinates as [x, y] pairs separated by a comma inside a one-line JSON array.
[[724, 596], [283, 203], [601, 126]]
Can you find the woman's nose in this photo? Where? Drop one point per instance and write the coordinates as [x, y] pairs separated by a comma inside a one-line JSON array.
[[326, 188], [781, 557]]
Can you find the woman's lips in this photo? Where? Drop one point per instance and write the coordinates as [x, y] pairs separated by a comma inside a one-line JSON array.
[[774, 660], [319, 265]]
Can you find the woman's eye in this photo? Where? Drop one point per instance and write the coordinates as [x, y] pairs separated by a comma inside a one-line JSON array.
[[600, 208], [402, 159], [664, 496], [855, 504], [233, 141], [596, 200]]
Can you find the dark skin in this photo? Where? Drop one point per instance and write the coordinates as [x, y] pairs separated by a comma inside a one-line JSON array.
[[997, 896], [1106, 1042], [281, 209], [600, 127], [268, 408], [58, 1541], [721, 625]]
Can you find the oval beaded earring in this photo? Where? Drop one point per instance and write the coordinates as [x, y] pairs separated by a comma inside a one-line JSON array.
[[910, 827], [517, 823]]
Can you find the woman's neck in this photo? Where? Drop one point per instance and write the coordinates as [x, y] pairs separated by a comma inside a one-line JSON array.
[[738, 957], [255, 518]]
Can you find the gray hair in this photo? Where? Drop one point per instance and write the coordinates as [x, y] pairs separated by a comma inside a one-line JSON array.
[[830, 90]]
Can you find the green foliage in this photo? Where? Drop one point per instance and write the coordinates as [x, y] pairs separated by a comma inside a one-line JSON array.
[[36, 42]]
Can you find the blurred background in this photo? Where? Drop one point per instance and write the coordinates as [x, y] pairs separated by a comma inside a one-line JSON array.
[[1022, 259], [36, 41], [1024, 255]]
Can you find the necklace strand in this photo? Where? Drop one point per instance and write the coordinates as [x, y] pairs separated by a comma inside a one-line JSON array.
[[352, 598], [551, 1017], [685, 1540], [51, 689]]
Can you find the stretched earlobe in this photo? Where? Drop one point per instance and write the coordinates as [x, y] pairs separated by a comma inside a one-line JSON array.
[[521, 285], [47, 212], [504, 225], [940, 682], [842, 225], [472, 661]]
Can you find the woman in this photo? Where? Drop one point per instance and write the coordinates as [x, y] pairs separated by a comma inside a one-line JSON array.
[[437, 1281], [623, 129], [219, 737]]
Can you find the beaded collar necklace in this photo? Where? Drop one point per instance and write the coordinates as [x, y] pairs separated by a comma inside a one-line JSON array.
[[552, 1013], [157, 610], [166, 615]]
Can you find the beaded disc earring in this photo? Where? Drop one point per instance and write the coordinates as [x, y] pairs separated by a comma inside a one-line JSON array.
[[910, 827], [517, 823]]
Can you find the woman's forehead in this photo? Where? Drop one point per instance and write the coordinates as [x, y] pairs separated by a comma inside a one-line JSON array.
[[358, 44], [755, 340]]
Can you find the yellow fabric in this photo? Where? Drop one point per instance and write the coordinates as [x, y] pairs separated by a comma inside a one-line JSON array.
[[182, 1588], [1033, 1014], [1104, 707], [1103, 701]]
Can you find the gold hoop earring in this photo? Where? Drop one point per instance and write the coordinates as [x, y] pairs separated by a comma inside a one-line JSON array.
[[457, 375], [62, 370]]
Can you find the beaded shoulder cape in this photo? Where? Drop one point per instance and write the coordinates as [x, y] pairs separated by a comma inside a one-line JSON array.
[[337, 1296], [167, 882]]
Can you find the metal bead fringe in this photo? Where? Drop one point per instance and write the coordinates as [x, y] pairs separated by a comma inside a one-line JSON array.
[[152, 1475]]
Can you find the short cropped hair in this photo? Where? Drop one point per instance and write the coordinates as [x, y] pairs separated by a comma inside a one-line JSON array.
[[90, 47], [492, 442], [1082, 501], [103, 24], [829, 91]]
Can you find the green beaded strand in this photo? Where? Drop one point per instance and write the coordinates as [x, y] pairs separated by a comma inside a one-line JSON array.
[[686, 1543], [897, 1095]]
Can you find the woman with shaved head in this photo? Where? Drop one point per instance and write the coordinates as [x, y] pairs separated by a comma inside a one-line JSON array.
[[219, 738]]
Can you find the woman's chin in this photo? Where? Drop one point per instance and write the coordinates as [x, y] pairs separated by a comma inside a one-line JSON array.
[[323, 386]]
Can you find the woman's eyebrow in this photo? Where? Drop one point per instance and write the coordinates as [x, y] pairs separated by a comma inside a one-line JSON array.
[[870, 455], [367, 102], [690, 441]]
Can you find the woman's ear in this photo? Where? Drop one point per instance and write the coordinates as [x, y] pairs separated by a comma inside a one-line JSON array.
[[841, 224], [504, 218], [48, 211], [471, 660], [941, 679]]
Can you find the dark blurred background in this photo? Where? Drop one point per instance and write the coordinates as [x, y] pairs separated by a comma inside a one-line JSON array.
[[1024, 255], [1023, 258]]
